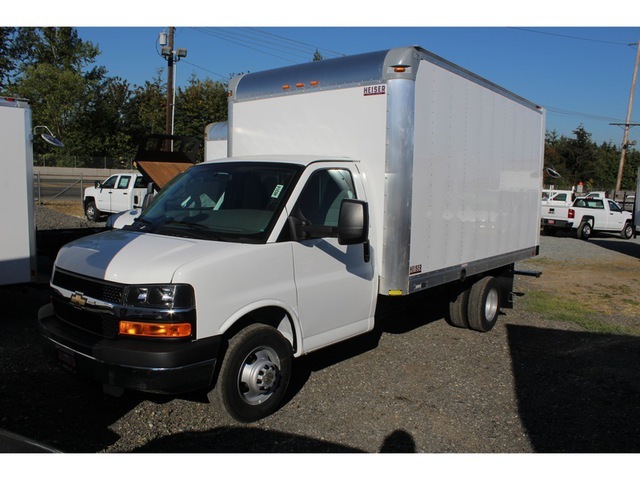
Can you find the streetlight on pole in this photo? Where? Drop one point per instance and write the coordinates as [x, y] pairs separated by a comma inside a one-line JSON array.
[[172, 56]]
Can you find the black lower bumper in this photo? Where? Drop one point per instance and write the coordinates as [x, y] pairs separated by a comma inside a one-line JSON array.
[[563, 224], [149, 366]]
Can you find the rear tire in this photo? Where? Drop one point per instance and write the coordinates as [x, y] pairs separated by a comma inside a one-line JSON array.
[[584, 231], [459, 310], [484, 304], [254, 374]]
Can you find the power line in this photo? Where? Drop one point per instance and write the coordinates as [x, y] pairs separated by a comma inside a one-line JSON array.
[[573, 37], [314, 47], [224, 77], [572, 113], [217, 33]]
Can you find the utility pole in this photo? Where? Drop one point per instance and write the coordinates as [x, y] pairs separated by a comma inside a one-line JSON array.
[[172, 55], [170, 86], [627, 125]]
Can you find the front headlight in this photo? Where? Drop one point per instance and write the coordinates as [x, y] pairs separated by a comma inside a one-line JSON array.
[[163, 296], [169, 312]]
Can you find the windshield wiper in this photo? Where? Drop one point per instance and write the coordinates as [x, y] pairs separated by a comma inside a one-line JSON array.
[[139, 224], [195, 230]]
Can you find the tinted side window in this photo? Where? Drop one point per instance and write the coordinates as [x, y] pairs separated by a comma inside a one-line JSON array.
[[110, 182], [321, 198]]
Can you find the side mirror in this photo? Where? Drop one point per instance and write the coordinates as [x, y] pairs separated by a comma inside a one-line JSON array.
[[353, 222], [97, 184]]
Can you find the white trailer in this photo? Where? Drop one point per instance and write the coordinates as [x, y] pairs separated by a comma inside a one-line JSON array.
[[380, 174], [215, 141], [18, 236]]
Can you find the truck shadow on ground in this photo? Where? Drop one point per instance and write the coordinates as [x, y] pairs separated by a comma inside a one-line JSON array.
[[256, 440], [630, 248], [577, 392]]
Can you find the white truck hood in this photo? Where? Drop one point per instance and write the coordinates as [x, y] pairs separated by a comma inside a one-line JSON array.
[[130, 257]]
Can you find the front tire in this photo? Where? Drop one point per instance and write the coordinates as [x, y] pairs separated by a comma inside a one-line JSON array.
[[91, 211], [254, 373], [627, 231], [484, 304]]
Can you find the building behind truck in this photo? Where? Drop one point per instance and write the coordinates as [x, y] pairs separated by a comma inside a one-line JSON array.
[[380, 174]]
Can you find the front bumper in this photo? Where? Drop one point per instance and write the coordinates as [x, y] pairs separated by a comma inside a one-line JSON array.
[[150, 366]]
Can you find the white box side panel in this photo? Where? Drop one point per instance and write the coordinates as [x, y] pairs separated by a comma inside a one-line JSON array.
[[17, 237], [333, 123], [477, 172], [338, 123]]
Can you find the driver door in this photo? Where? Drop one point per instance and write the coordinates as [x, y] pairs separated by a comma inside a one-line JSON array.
[[335, 283]]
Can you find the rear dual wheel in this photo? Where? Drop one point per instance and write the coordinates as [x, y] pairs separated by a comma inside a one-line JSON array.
[[476, 307], [484, 304]]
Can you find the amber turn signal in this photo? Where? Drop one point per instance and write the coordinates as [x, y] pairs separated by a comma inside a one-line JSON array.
[[157, 330]]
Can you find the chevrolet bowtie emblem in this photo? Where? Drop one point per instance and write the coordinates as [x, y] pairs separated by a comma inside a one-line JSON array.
[[78, 299]]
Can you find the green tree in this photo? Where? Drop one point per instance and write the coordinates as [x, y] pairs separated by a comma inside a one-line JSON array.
[[199, 104], [52, 70], [144, 112]]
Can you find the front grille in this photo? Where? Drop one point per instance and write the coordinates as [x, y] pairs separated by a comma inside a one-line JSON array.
[[90, 287], [102, 324], [99, 321]]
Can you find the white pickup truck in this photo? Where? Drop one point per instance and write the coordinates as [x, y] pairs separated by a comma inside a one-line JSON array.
[[122, 191], [159, 158], [586, 216]]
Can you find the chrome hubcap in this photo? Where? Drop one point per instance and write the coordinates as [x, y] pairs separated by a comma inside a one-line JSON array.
[[259, 375]]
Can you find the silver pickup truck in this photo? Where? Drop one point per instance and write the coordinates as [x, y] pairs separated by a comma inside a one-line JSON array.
[[588, 215]]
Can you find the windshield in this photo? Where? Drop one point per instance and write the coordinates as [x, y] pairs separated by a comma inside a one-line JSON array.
[[233, 201]]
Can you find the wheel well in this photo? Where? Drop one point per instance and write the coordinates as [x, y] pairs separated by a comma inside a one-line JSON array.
[[87, 200], [273, 316]]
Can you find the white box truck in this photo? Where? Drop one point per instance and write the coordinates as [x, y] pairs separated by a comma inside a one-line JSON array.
[[18, 234], [380, 174]]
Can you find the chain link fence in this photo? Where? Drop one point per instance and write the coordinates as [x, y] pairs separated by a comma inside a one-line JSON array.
[[73, 161]]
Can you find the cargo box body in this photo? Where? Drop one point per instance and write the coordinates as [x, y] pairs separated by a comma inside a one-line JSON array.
[[453, 162]]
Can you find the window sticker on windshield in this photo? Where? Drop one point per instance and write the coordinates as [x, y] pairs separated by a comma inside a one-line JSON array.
[[277, 191]]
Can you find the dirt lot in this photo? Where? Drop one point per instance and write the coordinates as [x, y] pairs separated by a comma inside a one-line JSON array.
[[557, 374], [70, 208]]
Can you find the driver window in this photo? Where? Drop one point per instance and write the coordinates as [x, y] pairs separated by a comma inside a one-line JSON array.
[[320, 201], [613, 206], [110, 182]]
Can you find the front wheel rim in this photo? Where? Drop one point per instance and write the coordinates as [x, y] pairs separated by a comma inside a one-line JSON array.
[[259, 375]]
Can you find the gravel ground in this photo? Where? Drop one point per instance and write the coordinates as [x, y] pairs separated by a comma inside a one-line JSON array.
[[532, 384]]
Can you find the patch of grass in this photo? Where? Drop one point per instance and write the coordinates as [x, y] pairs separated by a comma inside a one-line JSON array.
[[565, 310]]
